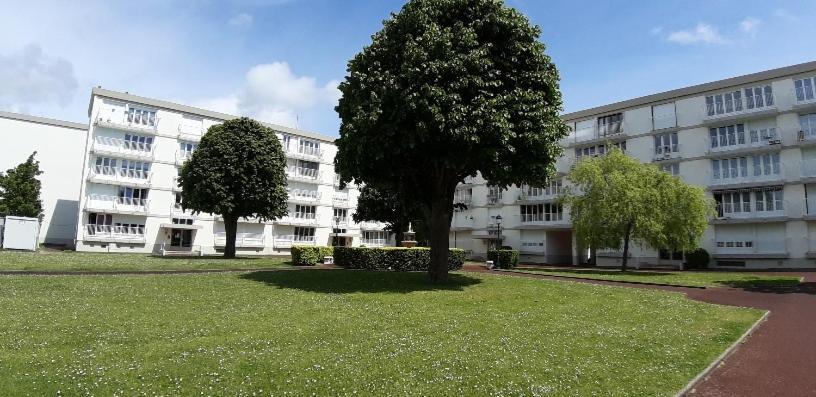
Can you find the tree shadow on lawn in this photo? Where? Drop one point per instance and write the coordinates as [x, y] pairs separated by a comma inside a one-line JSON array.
[[352, 281]]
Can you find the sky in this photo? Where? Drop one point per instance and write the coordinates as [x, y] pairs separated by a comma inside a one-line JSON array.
[[281, 60]]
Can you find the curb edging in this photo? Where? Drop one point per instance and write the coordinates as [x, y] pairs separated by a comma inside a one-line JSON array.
[[721, 358]]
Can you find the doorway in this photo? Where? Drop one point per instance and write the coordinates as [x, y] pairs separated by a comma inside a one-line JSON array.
[[181, 238]]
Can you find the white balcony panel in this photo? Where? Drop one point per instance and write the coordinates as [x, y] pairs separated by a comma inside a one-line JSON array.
[[134, 120], [304, 174], [288, 240], [115, 175], [374, 242], [124, 205], [108, 233], [122, 148], [242, 240], [372, 225], [303, 219], [304, 196]]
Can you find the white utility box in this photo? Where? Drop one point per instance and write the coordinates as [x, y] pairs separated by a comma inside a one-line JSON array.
[[20, 233]]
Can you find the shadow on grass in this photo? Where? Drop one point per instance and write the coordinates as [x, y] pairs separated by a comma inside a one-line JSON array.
[[352, 281]]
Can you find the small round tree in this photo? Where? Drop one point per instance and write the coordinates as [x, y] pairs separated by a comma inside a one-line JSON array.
[[449, 88], [238, 170]]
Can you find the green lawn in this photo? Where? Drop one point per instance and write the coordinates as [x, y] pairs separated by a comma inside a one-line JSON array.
[[85, 261], [684, 278], [335, 332]]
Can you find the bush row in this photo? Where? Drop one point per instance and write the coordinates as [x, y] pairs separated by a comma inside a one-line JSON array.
[[503, 258], [308, 255], [393, 258]]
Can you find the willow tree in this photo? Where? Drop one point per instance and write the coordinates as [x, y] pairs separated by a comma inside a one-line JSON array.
[[238, 170], [446, 89], [616, 200]]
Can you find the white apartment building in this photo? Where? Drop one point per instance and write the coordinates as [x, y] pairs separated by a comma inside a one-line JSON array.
[[749, 140], [129, 200], [59, 146]]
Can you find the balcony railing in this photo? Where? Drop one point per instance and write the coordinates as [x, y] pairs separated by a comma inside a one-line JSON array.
[[494, 199], [242, 240], [754, 246], [372, 225], [726, 211], [545, 219], [288, 240], [748, 177], [298, 218], [108, 174], [341, 200], [465, 199], [304, 195], [305, 174], [305, 152], [108, 233], [527, 194], [744, 105], [121, 147], [340, 221], [596, 132], [374, 242], [190, 132], [117, 204], [133, 120]]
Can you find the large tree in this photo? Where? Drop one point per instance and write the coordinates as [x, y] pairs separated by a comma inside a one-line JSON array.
[[20, 190], [448, 88], [616, 200], [238, 170], [384, 206]]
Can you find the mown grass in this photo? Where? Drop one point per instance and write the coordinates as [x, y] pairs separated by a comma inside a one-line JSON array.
[[683, 278], [87, 261], [335, 332]]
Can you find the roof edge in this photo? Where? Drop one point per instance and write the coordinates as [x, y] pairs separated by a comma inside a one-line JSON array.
[[693, 90], [158, 103], [43, 120]]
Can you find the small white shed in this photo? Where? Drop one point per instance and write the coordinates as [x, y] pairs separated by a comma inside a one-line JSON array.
[[21, 233]]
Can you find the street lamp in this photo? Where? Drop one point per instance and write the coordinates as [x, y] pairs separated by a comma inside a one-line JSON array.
[[498, 240]]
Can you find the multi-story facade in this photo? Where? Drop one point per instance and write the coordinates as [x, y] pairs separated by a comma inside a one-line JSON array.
[[749, 140], [129, 200]]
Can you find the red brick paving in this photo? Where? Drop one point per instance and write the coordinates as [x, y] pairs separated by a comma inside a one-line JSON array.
[[778, 359]]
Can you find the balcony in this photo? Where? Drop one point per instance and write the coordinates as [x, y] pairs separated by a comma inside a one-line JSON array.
[[745, 107], [539, 194], [341, 201], [544, 221], [119, 205], [597, 133], [726, 214], [305, 152], [119, 176], [135, 120], [182, 156], [374, 242], [494, 199], [219, 218], [340, 221], [304, 196], [242, 240], [756, 248], [114, 234], [368, 225], [668, 152], [103, 145], [303, 174], [462, 222], [288, 240], [465, 199], [299, 219], [190, 132], [748, 178]]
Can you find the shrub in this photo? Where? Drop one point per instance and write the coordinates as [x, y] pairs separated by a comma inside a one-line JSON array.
[[697, 259], [303, 255], [393, 258], [508, 258]]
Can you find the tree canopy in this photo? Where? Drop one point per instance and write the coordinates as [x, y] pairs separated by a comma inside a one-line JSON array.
[[614, 200], [20, 190], [238, 170], [448, 88]]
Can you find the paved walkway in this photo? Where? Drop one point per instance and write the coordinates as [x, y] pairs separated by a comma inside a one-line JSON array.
[[778, 359]]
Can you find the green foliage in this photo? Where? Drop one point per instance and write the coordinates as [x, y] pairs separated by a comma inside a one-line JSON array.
[[615, 199], [384, 206], [504, 258], [20, 190], [393, 258], [697, 259], [445, 90], [303, 255]]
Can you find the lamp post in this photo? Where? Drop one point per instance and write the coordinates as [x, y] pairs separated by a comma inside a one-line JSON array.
[[498, 240]]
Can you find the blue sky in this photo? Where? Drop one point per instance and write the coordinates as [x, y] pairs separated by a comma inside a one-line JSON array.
[[280, 60]]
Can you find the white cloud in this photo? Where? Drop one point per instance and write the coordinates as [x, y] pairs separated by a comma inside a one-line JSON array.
[[30, 77], [656, 30], [750, 25], [786, 15], [242, 20], [702, 33], [272, 93]]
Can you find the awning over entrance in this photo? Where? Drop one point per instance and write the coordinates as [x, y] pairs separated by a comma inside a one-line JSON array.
[[177, 226]]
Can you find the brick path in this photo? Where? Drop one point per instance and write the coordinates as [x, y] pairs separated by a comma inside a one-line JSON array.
[[778, 359]]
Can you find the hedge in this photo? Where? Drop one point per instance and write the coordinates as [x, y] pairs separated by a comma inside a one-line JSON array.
[[305, 255], [509, 258], [697, 259], [393, 258]]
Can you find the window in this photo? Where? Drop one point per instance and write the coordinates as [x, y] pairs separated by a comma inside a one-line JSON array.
[[730, 135], [763, 135], [304, 232], [494, 194], [554, 187], [135, 169], [309, 147], [105, 165], [463, 195], [673, 168], [138, 142], [666, 143], [766, 164], [804, 89], [667, 254], [732, 202], [663, 116], [128, 195], [182, 221], [610, 125], [724, 103], [808, 124], [305, 211], [599, 149], [730, 168], [187, 148], [759, 97], [128, 228], [285, 140], [100, 219], [769, 200], [547, 212], [141, 116], [340, 214]]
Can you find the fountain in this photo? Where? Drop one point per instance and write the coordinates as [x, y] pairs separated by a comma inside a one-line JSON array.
[[409, 240]]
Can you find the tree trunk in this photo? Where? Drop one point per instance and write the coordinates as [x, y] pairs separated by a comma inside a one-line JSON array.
[[440, 220], [625, 258], [231, 228], [399, 235]]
